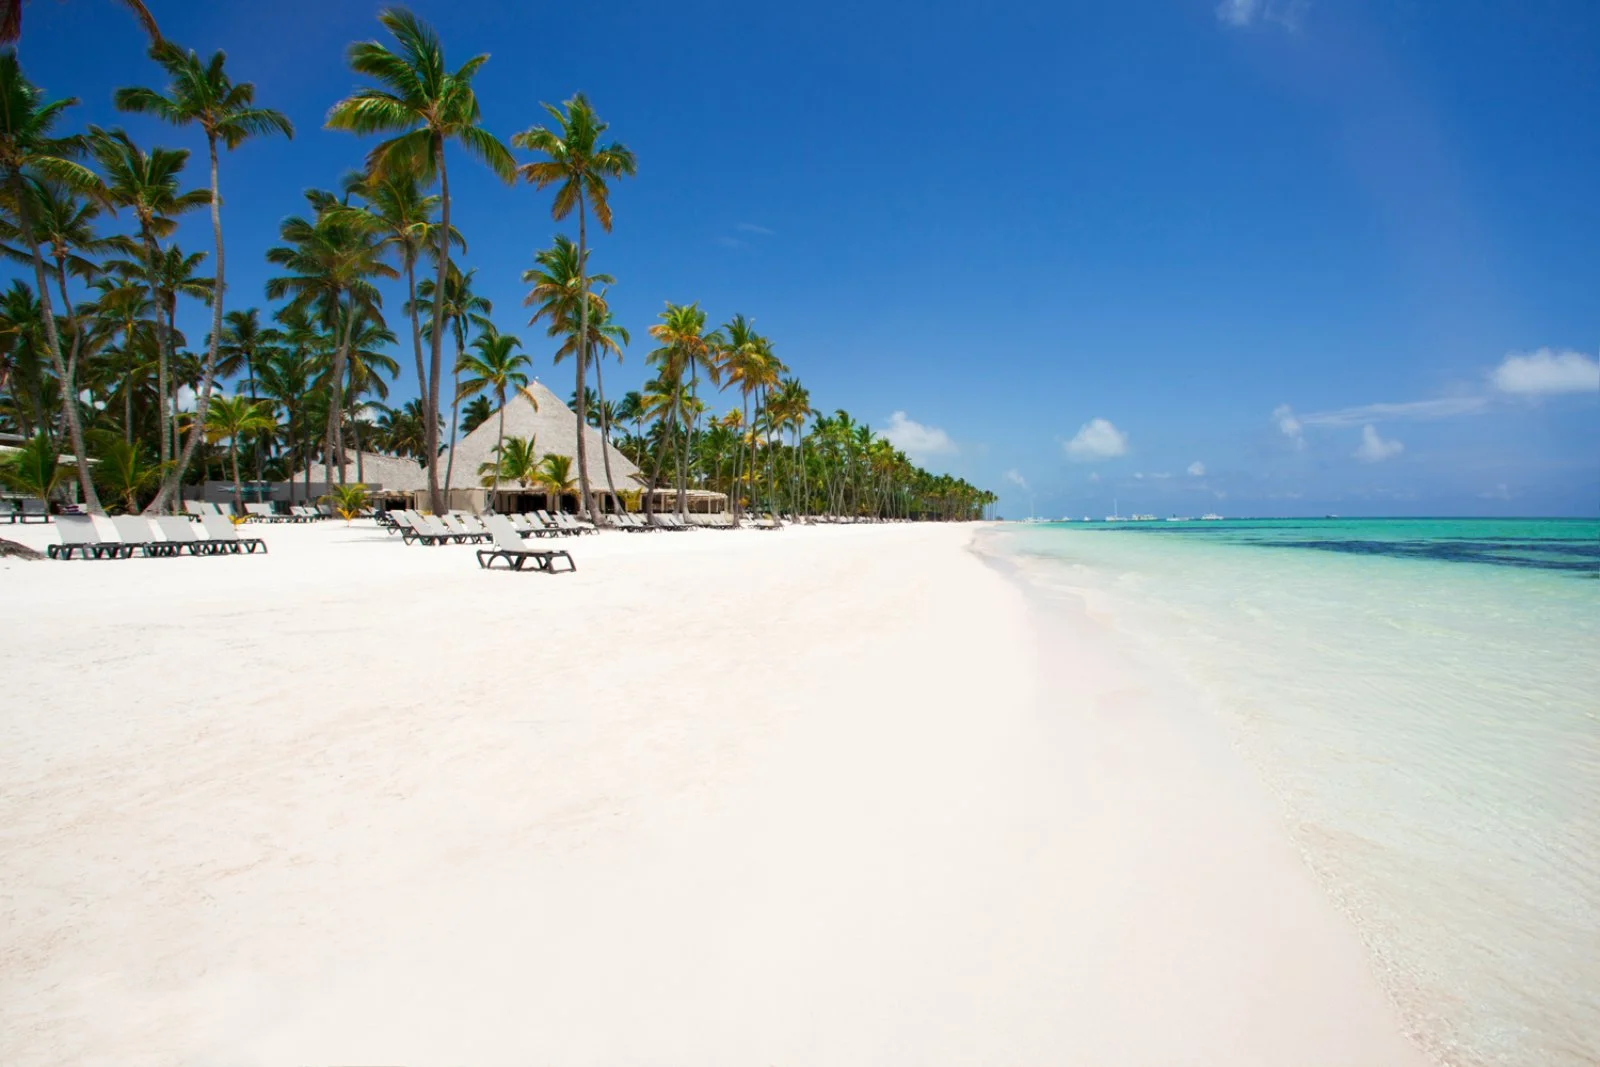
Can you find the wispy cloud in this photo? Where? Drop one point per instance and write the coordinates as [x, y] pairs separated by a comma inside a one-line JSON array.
[[1197, 469], [750, 227], [1374, 448], [1546, 372], [1283, 417], [1015, 477], [731, 242], [1289, 14], [1097, 439], [917, 440], [1442, 408]]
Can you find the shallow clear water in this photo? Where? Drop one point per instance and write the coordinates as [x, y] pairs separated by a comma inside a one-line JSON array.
[[1424, 696]]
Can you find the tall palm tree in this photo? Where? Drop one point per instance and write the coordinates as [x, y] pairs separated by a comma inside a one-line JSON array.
[[29, 152], [201, 93], [63, 222], [332, 259], [497, 367], [741, 359], [244, 342], [419, 98], [463, 308], [22, 375], [367, 366], [233, 418], [400, 431], [168, 273], [395, 206], [286, 380], [579, 165], [684, 341], [147, 184]]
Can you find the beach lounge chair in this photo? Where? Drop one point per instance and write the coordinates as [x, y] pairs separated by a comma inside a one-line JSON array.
[[219, 529], [135, 534], [194, 509], [79, 536], [457, 525], [179, 534], [263, 513], [29, 509], [429, 531], [631, 523], [509, 546], [399, 522], [572, 525]]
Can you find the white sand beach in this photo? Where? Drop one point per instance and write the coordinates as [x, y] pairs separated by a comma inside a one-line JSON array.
[[824, 796]]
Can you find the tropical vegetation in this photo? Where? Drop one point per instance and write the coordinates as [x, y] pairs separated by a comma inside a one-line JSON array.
[[105, 398]]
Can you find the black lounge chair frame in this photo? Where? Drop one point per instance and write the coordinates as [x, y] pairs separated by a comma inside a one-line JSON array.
[[516, 560]]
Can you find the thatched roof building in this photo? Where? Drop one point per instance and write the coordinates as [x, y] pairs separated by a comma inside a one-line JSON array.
[[540, 414], [389, 475]]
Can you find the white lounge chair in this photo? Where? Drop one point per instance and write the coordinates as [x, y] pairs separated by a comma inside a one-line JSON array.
[[78, 535], [220, 530], [510, 547]]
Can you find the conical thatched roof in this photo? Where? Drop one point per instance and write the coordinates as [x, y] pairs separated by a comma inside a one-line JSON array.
[[396, 474], [554, 428]]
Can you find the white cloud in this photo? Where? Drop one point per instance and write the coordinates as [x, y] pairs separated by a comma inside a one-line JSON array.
[[1442, 408], [1546, 372], [1138, 476], [917, 440], [1288, 425], [186, 398], [1197, 469], [1290, 14], [1015, 477], [1375, 449], [1097, 439], [750, 227], [1162, 475], [1237, 12], [1095, 477]]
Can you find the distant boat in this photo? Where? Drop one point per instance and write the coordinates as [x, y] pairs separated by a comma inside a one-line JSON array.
[[1211, 517], [1175, 518]]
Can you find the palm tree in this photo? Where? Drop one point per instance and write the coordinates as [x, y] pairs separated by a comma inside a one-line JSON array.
[[22, 375], [63, 222], [203, 94], [285, 379], [580, 165], [400, 430], [516, 460], [244, 342], [11, 19], [29, 152], [426, 104], [168, 273], [231, 418], [124, 470], [34, 469], [475, 413], [332, 259], [396, 206], [462, 308], [555, 473], [366, 368], [148, 184], [496, 366]]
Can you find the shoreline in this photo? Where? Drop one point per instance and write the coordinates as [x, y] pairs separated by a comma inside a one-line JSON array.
[[829, 795]]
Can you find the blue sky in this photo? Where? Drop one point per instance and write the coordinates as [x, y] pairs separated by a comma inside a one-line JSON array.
[[1268, 257]]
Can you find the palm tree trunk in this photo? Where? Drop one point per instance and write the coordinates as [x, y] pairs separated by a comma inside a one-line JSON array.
[[499, 454], [605, 434], [169, 488], [583, 349], [455, 404], [430, 412], [69, 399], [238, 490], [332, 439]]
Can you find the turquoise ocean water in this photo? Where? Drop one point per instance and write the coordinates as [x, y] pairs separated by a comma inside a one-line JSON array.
[[1424, 698]]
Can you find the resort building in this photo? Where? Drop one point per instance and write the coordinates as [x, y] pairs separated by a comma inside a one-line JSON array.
[[535, 413]]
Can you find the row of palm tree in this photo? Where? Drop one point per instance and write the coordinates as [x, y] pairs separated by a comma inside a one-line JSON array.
[[311, 378]]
